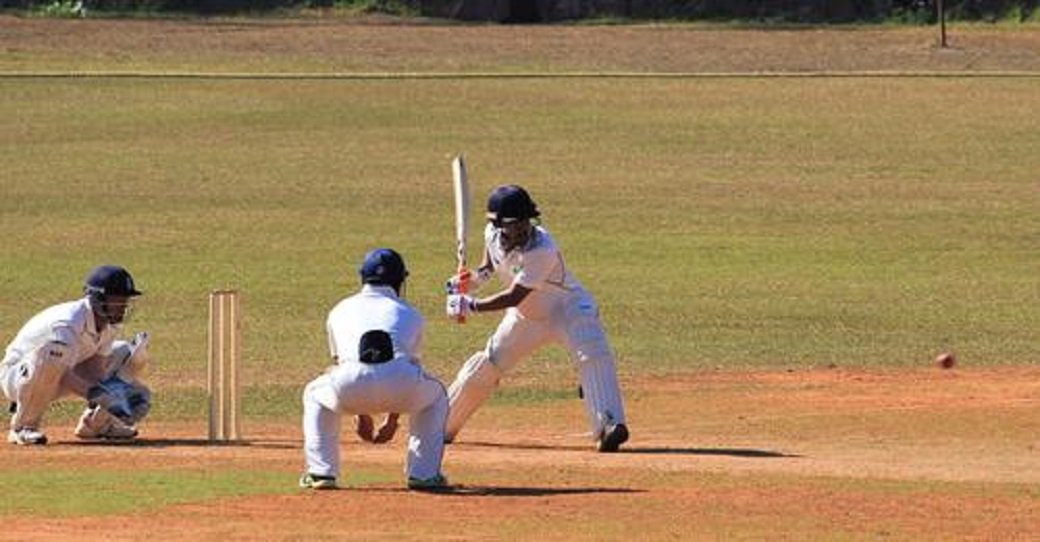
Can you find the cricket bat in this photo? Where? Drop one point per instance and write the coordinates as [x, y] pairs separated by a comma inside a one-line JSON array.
[[461, 185]]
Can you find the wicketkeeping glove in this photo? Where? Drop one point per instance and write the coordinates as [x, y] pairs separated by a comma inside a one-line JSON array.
[[113, 394], [459, 305]]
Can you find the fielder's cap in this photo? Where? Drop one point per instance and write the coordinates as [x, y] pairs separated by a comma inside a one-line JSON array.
[[509, 203], [375, 347], [111, 280], [383, 266]]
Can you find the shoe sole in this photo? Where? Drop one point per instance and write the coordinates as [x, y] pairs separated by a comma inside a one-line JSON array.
[[440, 484], [19, 442], [318, 484], [614, 440], [108, 437]]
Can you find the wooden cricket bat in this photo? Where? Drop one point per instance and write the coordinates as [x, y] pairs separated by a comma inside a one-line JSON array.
[[461, 184]]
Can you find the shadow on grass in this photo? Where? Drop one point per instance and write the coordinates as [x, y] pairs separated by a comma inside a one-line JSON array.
[[649, 450], [188, 443]]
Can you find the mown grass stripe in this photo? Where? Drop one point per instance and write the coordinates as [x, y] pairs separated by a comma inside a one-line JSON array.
[[508, 75]]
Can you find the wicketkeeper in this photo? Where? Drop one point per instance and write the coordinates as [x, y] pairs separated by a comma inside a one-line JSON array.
[[72, 348], [543, 304]]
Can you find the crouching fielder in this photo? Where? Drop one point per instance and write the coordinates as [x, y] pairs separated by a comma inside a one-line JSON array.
[[543, 304], [375, 338], [71, 348]]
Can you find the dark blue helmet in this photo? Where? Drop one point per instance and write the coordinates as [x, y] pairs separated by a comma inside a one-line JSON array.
[[105, 282], [383, 266], [108, 280], [509, 203]]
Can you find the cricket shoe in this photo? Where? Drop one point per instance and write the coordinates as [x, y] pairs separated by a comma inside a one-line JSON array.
[[613, 437], [316, 481], [98, 424], [26, 436], [432, 483]]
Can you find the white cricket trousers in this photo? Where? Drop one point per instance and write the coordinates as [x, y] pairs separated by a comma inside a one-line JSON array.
[[399, 385], [575, 324]]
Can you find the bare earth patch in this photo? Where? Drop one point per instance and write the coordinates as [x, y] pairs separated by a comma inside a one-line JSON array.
[[909, 454]]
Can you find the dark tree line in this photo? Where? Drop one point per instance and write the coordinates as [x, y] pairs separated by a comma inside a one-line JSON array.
[[812, 11]]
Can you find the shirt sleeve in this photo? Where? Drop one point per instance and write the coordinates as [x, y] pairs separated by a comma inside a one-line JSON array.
[[63, 333]]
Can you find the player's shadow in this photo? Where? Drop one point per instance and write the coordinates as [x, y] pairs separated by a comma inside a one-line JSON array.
[[648, 450], [732, 452], [495, 491], [190, 443]]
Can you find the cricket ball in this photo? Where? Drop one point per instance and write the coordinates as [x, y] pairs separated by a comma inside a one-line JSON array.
[[946, 360]]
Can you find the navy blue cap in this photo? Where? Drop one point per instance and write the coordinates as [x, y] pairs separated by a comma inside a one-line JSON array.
[[383, 266], [509, 203], [111, 280]]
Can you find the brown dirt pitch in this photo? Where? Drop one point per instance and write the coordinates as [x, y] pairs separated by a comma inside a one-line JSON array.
[[901, 454]]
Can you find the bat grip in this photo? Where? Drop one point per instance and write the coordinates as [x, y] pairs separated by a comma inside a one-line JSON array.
[[463, 288]]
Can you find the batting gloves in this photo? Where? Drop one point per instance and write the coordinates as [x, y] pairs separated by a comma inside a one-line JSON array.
[[476, 280], [460, 305]]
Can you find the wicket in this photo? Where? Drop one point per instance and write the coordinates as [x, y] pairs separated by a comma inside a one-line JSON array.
[[225, 353]]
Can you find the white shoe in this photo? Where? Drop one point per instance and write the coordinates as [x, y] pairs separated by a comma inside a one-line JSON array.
[[96, 423], [26, 436]]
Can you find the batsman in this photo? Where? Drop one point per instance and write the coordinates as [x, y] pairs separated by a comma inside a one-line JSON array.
[[543, 304]]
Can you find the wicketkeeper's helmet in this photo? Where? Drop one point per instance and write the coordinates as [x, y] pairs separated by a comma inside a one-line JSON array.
[[510, 203], [109, 280], [383, 266], [104, 282]]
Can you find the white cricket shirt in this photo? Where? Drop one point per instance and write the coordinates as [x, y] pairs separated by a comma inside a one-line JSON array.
[[374, 307], [69, 323], [538, 266]]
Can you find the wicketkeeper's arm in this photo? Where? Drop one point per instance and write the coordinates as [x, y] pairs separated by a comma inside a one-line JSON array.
[[85, 374]]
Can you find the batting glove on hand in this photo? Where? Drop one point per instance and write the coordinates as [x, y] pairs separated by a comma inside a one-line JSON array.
[[459, 305], [476, 280]]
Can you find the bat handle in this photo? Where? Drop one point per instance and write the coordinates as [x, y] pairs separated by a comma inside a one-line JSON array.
[[463, 288]]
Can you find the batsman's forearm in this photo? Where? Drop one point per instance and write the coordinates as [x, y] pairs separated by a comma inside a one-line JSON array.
[[502, 300]]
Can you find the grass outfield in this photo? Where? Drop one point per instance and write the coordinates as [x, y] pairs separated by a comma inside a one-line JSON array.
[[722, 223], [727, 225]]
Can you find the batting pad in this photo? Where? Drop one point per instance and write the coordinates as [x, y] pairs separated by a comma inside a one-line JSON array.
[[38, 383], [475, 382], [601, 392]]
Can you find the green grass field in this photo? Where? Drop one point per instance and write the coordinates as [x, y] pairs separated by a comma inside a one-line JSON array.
[[728, 223], [724, 223]]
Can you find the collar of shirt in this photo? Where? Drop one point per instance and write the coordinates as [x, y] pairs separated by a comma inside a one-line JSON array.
[[378, 289], [91, 328]]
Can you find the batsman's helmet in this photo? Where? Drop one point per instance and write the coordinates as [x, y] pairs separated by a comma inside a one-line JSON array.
[[108, 280], [510, 203], [383, 266]]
